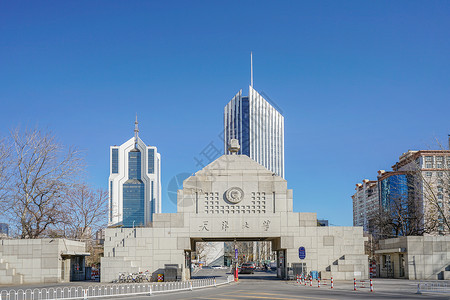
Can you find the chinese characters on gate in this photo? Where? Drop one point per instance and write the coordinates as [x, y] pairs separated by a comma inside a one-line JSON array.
[[225, 226]]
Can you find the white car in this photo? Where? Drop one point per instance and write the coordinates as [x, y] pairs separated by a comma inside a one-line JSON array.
[[216, 267]]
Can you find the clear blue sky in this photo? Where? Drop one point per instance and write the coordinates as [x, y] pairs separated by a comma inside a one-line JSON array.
[[359, 82]]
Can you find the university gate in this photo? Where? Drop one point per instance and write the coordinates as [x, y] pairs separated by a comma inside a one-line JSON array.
[[235, 198]]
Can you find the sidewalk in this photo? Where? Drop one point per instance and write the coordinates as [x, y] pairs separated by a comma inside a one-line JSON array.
[[50, 285], [379, 284]]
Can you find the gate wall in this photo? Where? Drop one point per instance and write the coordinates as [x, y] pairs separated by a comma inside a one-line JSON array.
[[235, 197]]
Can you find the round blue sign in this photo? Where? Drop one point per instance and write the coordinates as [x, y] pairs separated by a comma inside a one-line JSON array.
[[301, 252]]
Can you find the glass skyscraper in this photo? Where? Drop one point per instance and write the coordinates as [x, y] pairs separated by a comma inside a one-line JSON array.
[[134, 183], [4, 229], [259, 127], [134, 192], [397, 198]]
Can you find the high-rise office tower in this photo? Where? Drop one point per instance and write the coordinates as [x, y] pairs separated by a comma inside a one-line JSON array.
[[4, 230], [258, 126], [134, 182]]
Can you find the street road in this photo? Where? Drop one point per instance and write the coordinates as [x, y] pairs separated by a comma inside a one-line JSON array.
[[264, 285]]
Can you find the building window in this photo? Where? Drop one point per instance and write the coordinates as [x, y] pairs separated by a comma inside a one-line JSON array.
[[429, 165], [440, 197], [428, 174], [429, 158], [151, 161], [115, 161], [439, 162]]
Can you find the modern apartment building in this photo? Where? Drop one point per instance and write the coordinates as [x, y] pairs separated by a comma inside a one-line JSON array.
[[134, 183], [417, 187], [365, 203], [259, 127], [429, 180]]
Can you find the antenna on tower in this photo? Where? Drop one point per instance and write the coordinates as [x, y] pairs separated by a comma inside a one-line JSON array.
[[251, 69], [136, 132]]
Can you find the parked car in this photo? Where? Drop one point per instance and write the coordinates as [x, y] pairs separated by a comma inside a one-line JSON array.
[[216, 267], [248, 268]]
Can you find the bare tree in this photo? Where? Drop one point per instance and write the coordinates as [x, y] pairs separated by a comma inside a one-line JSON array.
[[402, 213], [85, 211], [4, 170], [422, 206], [245, 250], [205, 250], [400, 217], [42, 171]]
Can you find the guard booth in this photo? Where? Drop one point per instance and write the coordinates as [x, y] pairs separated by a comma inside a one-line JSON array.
[[281, 265], [73, 263]]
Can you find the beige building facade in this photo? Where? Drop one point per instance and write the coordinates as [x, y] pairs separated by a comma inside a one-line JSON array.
[[415, 257], [431, 171], [365, 203], [47, 260]]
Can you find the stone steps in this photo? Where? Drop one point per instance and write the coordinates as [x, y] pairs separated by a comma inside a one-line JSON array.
[[8, 274], [346, 266], [121, 243]]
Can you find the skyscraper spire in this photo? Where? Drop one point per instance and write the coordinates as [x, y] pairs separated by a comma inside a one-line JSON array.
[[251, 69], [136, 132]]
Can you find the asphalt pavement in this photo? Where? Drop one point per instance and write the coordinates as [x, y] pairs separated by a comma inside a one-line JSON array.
[[265, 285]]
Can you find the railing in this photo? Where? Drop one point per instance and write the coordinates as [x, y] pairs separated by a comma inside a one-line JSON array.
[[433, 287], [110, 290]]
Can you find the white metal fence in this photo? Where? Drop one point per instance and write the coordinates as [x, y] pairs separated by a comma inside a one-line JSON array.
[[434, 287], [98, 291]]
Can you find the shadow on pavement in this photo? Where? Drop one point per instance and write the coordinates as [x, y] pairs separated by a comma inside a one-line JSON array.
[[259, 275]]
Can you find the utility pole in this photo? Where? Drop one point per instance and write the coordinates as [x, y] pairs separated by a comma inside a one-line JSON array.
[[235, 261]]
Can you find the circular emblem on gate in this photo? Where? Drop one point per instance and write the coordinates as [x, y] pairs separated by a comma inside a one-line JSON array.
[[234, 194]]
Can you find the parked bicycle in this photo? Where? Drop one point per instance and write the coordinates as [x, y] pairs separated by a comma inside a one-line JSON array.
[[134, 277]]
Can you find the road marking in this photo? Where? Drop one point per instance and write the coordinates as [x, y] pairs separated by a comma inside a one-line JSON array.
[[255, 295], [209, 298]]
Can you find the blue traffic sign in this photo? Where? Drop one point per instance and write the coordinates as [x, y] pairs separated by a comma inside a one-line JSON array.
[[301, 252], [235, 253]]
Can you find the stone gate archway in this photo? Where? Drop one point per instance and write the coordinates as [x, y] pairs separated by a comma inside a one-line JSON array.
[[235, 197]]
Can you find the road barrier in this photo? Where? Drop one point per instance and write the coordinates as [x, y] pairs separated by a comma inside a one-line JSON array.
[[99, 291], [434, 287], [323, 281], [357, 284]]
